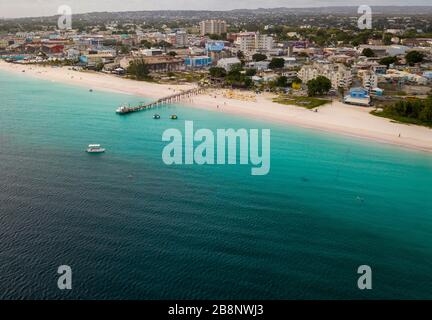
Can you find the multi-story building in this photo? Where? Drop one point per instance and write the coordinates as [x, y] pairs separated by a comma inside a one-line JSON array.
[[263, 42], [338, 74], [179, 39], [246, 42], [182, 39], [213, 27], [252, 42], [369, 79]]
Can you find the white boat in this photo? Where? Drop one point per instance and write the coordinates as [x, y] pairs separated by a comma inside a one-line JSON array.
[[95, 148]]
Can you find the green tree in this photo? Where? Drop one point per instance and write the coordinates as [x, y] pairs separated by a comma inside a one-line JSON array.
[[389, 60], [248, 82], [164, 44], [138, 69], [99, 66], [146, 44], [414, 57], [282, 82], [251, 72], [259, 57], [368, 52], [387, 39], [235, 74], [426, 113], [217, 37], [217, 72], [318, 86], [240, 55], [124, 49], [277, 63]]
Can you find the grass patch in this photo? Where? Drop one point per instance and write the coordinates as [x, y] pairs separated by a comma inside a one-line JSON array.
[[305, 102], [401, 119]]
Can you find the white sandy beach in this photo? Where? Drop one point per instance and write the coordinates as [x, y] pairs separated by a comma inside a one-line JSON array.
[[335, 117]]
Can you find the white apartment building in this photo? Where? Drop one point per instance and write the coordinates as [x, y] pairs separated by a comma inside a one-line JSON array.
[[252, 42], [369, 79], [178, 39], [338, 74], [246, 42], [263, 42], [213, 27], [181, 39]]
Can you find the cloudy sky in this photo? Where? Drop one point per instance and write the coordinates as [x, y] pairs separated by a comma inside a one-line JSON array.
[[25, 8]]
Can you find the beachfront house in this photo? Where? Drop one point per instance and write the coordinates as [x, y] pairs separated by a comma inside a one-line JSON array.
[[358, 97]]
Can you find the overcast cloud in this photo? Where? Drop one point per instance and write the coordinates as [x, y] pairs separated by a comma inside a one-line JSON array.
[[25, 8]]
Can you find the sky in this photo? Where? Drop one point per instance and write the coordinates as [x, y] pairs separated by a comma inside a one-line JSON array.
[[32, 8]]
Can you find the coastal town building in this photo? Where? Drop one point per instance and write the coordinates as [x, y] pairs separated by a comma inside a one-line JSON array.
[[157, 64], [213, 27], [258, 65], [228, 63], [369, 79], [92, 60], [178, 39], [253, 42], [358, 96], [151, 52], [338, 74], [198, 61], [382, 51]]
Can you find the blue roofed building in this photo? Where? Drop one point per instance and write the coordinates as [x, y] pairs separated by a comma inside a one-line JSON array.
[[198, 61], [215, 46], [358, 96]]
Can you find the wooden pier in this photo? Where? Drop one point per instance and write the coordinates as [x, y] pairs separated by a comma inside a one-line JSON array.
[[163, 101]]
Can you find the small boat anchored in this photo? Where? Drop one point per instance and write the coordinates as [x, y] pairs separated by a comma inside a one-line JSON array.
[[156, 117], [174, 117], [95, 148]]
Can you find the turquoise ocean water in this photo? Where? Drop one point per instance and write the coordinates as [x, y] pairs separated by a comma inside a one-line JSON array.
[[133, 228]]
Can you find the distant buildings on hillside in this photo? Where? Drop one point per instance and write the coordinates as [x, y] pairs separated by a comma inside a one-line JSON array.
[[213, 27]]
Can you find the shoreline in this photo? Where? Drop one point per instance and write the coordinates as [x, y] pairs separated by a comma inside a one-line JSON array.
[[336, 117]]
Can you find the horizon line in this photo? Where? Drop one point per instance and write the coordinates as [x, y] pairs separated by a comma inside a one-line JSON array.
[[212, 10]]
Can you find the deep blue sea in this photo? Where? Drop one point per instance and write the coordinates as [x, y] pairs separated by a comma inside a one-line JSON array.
[[132, 227]]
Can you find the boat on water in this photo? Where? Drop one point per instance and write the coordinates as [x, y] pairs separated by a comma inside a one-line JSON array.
[[95, 148], [174, 117], [156, 117]]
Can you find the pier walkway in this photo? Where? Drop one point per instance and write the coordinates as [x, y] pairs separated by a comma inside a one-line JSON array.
[[162, 101]]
